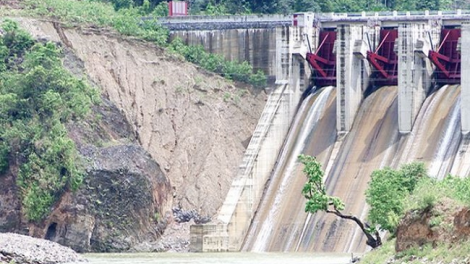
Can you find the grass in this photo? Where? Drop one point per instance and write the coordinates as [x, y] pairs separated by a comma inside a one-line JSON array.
[[128, 21], [442, 253], [429, 191], [381, 254]]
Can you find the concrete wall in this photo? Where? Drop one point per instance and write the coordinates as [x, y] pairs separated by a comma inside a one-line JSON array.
[[257, 46], [245, 193], [224, 22]]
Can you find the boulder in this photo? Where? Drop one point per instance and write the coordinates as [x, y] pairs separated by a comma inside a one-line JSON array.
[[120, 204]]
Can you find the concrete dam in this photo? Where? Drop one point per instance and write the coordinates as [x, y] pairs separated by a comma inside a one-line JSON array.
[[388, 89]]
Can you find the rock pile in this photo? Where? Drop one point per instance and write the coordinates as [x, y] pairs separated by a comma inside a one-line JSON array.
[[183, 216], [28, 250]]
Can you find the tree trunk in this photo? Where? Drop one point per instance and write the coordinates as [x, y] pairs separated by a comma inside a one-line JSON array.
[[374, 241]]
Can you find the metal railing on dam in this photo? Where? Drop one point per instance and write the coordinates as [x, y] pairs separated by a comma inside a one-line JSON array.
[[225, 22], [271, 21]]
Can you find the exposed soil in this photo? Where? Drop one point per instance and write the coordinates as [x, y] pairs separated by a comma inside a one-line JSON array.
[[195, 124]]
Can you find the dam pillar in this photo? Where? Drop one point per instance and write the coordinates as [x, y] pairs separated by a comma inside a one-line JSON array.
[[465, 77], [351, 76], [414, 72], [304, 38]]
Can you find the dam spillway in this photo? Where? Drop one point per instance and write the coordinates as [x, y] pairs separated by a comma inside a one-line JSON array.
[[280, 215], [374, 142], [354, 129]]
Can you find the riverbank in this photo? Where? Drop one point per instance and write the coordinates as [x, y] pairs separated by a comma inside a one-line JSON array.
[[21, 249]]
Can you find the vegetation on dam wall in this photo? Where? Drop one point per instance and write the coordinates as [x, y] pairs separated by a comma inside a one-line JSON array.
[[37, 98]]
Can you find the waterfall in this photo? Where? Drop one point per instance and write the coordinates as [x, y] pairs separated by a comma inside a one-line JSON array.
[[284, 179], [373, 143]]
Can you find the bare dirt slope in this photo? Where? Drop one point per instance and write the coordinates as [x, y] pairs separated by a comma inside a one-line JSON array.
[[196, 125]]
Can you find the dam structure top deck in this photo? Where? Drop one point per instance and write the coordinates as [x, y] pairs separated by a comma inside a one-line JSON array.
[[453, 17]]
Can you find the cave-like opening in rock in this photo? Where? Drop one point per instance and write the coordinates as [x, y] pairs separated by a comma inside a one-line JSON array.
[[51, 232]]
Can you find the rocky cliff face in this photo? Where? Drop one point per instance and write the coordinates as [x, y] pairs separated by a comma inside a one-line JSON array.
[[10, 204], [194, 125], [121, 203]]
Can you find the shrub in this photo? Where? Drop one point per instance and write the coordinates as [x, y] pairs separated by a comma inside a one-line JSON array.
[[4, 153], [387, 191], [242, 72], [37, 97], [127, 20], [119, 4]]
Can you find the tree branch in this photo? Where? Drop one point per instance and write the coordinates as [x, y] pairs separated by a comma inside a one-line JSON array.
[[371, 240]]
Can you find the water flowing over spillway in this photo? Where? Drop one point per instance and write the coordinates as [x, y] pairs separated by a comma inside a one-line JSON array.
[[436, 133], [373, 143], [281, 215]]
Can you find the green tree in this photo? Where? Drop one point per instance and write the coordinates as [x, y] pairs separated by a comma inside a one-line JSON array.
[[119, 4], [37, 98], [387, 192], [161, 10], [318, 200]]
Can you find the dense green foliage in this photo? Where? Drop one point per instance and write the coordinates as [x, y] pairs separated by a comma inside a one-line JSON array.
[[314, 189], [37, 97], [429, 191], [128, 21], [391, 193], [216, 63], [317, 199], [387, 192], [426, 194], [219, 7]]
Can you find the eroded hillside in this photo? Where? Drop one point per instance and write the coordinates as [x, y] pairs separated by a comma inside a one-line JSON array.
[[196, 125]]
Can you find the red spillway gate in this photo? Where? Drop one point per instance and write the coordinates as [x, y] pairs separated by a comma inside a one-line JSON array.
[[384, 59], [323, 61], [447, 58]]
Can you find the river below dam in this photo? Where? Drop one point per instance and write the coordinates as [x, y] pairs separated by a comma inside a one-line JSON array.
[[216, 258]]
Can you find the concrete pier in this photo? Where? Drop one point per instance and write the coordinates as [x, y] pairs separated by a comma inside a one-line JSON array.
[[414, 70], [352, 73]]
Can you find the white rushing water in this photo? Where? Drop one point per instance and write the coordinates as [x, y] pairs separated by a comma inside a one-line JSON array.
[[314, 113], [446, 146], [373, 143]]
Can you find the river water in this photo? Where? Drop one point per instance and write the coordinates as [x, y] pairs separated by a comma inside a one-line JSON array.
[[216, 258]]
